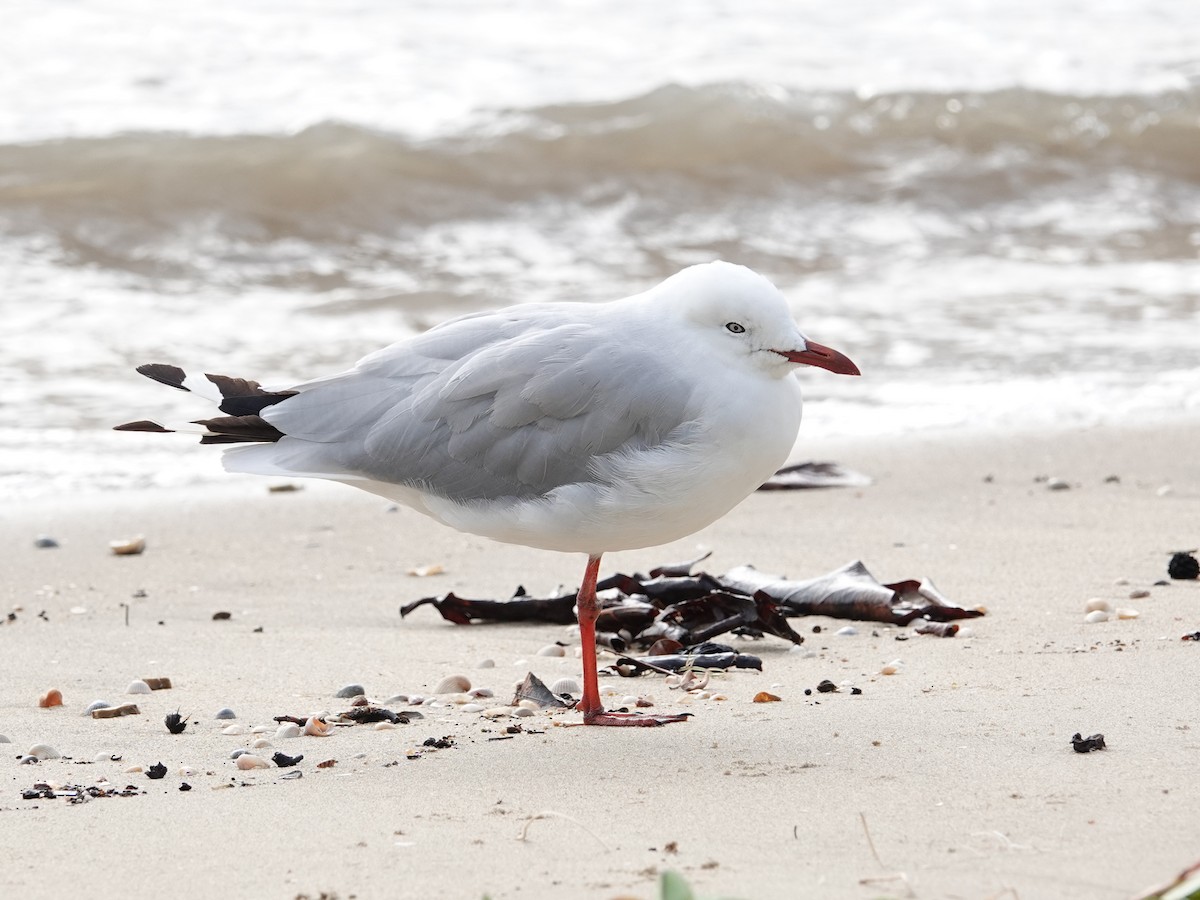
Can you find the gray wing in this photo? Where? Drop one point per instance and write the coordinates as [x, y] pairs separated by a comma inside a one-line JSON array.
[[507, 404]]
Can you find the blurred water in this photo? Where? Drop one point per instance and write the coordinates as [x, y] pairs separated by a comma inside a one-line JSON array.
[[993, 207]]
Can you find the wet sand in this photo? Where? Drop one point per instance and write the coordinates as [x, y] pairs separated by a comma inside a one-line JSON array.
[[959, 767]]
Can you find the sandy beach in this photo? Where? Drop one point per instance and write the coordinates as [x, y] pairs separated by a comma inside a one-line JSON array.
[[954, 777]]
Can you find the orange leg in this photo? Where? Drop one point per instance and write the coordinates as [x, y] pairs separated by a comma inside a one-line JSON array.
[[590, 705]]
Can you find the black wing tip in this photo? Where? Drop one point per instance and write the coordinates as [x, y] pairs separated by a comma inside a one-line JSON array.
[[143, 425], [164, 373]]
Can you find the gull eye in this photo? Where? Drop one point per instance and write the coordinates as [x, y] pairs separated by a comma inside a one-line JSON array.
[[735, 327]]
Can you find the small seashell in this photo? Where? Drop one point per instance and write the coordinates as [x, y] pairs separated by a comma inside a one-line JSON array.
[[1127, 614], [128, 546], [384, 726], [287, 730], [766, 697], [1139, 594], [43, 751], [553, 650], [95, 705], [238, 752], [1057, 484], [458, 699], [713, 697], [234, 729], [51, 698], [416, 700], [112, 712], [565, 686], [137, 686], [261, 729], [187, 771], [1096, 615], [496, 712], [479, 693], [486, 664], [453, 684], [472, 707], [44, 542], [248, 761], [351, 690], [607, 690], [225, 713], [26, 760], [396, 700], [522, 711], [847, 630], [260, 744], [158, 684], [78, 610], [526, 703], [317, 728], [1097, 603], [629, 700], [535, 691], [133, 770], [425, 571], [4, 739], [891, 668]]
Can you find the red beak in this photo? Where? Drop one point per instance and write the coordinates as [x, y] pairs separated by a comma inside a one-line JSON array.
[[822, 357]]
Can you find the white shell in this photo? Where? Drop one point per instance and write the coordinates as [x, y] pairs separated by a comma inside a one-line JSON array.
[[187, 771], [522, 711], [1098, 603], [1096, 615], [472, 707], [384, 726], [528, 704], [128, 546], [453, 684], [629, 700], [234, 729], [891, 668], [132, 770], [249, 761], [486, 664], [260, 744], [565, 686], [96, 704], [396, 700], [497, 712], [44, 751], [607, 690], [847, 630], [351, 690], [261, 729], [552, 650], [287, 730], [315, 727], [225, 713], [1127, 614], [137, 686]]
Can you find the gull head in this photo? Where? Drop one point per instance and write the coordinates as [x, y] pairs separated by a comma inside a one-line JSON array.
[[740, 318]]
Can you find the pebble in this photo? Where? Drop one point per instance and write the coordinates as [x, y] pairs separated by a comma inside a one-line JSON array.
[[1139, 594], [51, 698], [248, 761], [847, 630], [1096, 615], [486, 664], [1057, 484], [137, 686], [225, 713], [351, 690], [1097, 603], [234, 729], [565, 686], [287, 730], [43, 751], [44, 541], [453, 684], [95, 705], [553, 650]]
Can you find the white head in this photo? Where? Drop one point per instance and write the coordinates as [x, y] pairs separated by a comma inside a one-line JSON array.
[[741, 317]]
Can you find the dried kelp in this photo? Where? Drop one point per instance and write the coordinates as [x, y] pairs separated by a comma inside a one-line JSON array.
[[672, 605]]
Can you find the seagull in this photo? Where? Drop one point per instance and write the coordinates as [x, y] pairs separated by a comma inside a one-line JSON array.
[[577, 427]]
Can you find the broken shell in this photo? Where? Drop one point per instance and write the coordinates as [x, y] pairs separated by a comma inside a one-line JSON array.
[[225, 713], [1127, 613], [51, 698], [317, 728], [137, 686], [234, 729], [112, 712], [486, 664], [158, 684], [249, 761], [1097, 603], [453, 684], [552, 650], [1096, 615], [351, 690], [128, 546], [565, 686], [287, 730], [44, 751]]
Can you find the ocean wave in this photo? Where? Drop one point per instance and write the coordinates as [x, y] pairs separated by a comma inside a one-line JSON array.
[[144, 199]]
